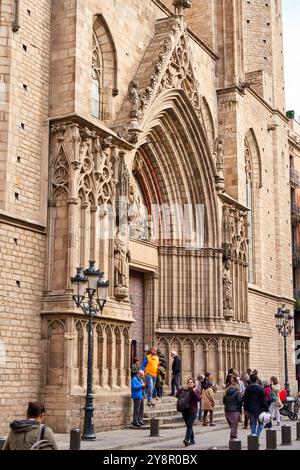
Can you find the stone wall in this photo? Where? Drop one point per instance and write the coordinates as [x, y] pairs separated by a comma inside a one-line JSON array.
[[22, 254]]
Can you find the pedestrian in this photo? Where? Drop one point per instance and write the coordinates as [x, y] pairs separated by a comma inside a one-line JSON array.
[[276, 403], [232, 401], [150, 366], [135, 367], [245, 378], [176, 372], [267, 390], [161, 375], [24, 433], [255, 403], [208, 400], [137, 388], [189, 414], [199, 381], [229, 374]]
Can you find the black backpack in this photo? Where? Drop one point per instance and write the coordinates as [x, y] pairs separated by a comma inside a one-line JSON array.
[[183, 402]]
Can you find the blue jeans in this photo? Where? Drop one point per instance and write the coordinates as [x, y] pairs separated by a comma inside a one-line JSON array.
[[200, 410], [256, 426], [150, 381]]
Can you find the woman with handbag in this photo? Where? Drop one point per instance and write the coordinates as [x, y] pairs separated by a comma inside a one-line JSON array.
[[189, 413]]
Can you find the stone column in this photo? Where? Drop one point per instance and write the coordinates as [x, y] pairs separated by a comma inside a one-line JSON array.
[[220, 363], [50, 252], [71, 269]]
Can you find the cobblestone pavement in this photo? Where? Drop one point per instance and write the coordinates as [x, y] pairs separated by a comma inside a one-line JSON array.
[[205, 437]]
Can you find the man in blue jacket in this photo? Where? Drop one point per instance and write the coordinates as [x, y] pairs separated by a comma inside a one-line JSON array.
[[137, 387]]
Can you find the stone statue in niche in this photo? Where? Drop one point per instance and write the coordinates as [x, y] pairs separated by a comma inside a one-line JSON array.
[[121, 268], [137, 214], [227, 291], [219, 161]]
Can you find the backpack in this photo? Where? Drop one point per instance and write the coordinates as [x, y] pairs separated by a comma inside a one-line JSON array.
[[183, 402], [42, 443], [272, 397]]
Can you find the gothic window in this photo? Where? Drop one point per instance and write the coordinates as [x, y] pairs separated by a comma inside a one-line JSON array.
[[97, 74], [249, 202], [104, 71]]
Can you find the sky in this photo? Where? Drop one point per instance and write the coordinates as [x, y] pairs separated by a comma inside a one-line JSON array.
[[291, 37]]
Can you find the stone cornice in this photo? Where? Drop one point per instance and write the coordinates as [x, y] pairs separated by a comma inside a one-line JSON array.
[[269, 295], [21, 222], [94, 124], [235, 89], [233, 202]]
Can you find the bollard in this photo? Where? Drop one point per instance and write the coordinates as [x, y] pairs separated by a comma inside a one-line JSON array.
[[271, 439], [2, 442], [75, 439], [253, 443], [235, 444], [298, 431], [286, 435], [154, 427]]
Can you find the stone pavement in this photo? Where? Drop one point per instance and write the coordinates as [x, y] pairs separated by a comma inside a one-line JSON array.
[[205, 437]]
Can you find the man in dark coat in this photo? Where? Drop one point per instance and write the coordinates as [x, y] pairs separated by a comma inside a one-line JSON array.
[[176, 372], [255, 403]]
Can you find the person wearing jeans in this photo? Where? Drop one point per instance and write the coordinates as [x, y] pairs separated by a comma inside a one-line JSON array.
[[150, 366], [256, 426], [255, 403]]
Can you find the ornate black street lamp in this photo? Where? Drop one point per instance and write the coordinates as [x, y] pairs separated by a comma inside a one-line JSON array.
[[285, 325], [90, 296]]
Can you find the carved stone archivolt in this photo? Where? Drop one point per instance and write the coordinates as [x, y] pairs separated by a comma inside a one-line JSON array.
[[172, 70]]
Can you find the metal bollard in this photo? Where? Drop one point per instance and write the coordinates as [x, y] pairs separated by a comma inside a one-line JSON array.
[[2, 442], [75, 440], [154, 427], [235, 445], [253, 443], [298, 431], [286, 435], [271, 439]]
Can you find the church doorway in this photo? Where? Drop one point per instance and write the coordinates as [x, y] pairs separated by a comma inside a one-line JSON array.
[[136, 292]]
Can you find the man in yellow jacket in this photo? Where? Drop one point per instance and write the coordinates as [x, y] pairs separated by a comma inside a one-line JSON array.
[[149, 366]]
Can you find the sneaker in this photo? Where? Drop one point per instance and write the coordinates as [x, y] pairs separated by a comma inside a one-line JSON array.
[[192, 443], [157, 398], [149, 403], [141, 423], [186, 443]]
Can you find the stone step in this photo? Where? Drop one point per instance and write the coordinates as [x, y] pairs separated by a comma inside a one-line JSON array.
[[177, 424]]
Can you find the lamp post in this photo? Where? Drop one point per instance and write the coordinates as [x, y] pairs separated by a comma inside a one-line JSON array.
[[284, 325], [90, 296]]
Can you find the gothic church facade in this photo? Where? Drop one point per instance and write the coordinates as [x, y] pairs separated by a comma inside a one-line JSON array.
[[117, 119]]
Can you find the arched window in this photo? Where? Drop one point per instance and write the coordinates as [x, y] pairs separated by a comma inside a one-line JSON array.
[[97, 77], [104, 72], [249, 202]]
